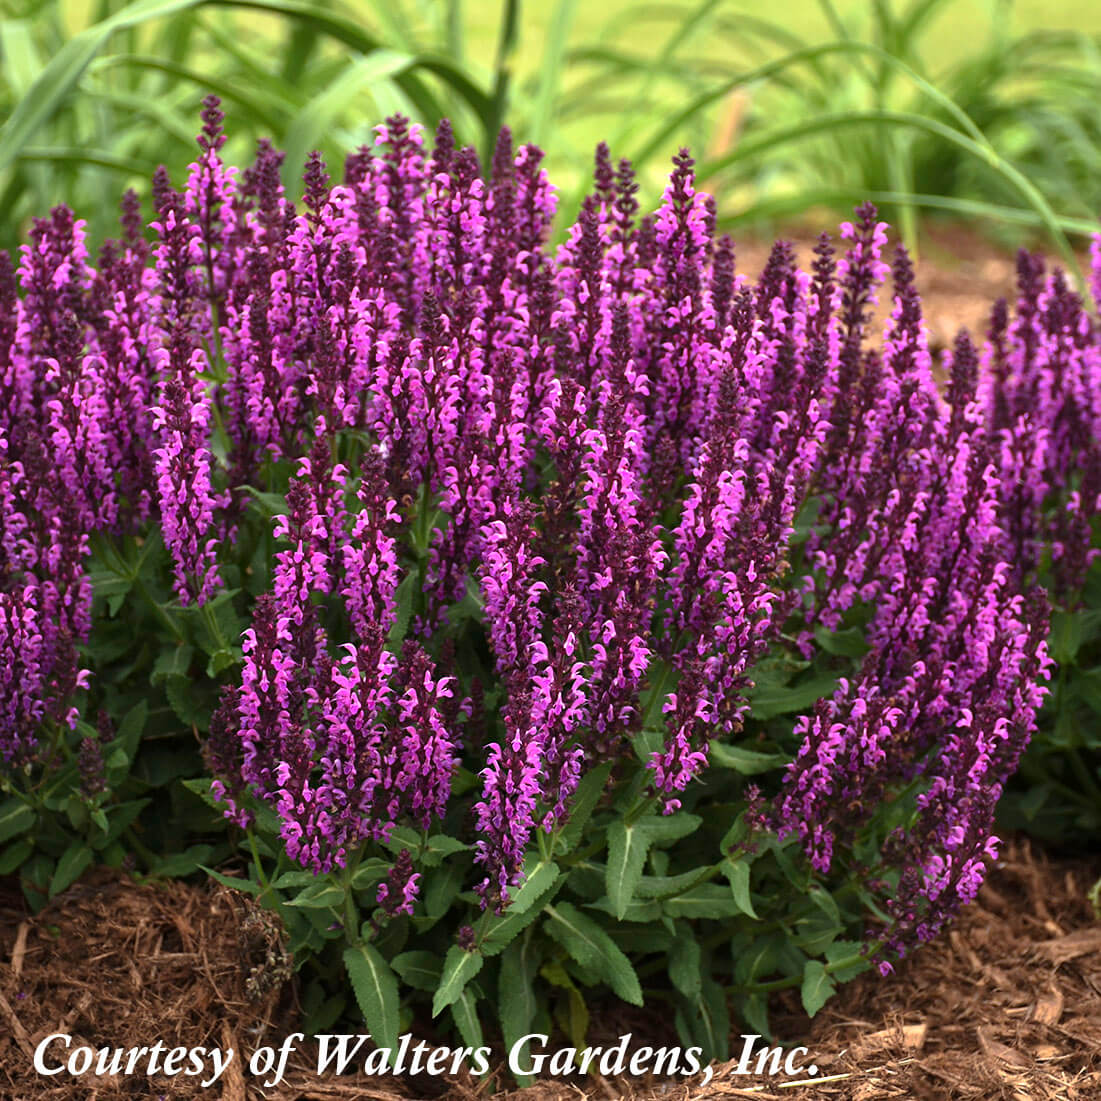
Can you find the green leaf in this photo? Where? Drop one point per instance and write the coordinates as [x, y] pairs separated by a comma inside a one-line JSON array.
[[173, 662], [120, 815], [516, 999], [443, 884], [438, 847], [188, 704], [269, 505], [15, 817], [627, 849], [464, 1012], [13, 857], [711, 1024], [539, 874], [685, 971], [847, 643], [458, 969], [666, 886], [321, 896], [737, 872], [404, 596], [498, 931], [708, 900], [201, 788], [748, 762], [130, 729], [370, 872], [818, 987], [758, 959], [376, 991], [593, 949], [645, 910], [76, 858], [1065, 637], [769, 700], [585, 797], [178, 865], [842, 950], [418, 969], [237, 883], [671, 827], [297, 877], [110, 587]]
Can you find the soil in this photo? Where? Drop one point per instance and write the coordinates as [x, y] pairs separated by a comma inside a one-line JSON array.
[[959, 275], [1006, 1006]]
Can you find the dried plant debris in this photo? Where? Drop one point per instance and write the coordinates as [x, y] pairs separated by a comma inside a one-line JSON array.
[[1006, 1007]]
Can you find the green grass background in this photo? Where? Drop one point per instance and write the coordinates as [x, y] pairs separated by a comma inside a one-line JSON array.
[[1023, 77]]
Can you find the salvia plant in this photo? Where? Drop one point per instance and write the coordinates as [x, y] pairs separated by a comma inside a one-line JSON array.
[[529, 626]]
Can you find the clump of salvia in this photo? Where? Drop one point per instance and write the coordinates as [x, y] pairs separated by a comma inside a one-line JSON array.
[[646, 471]]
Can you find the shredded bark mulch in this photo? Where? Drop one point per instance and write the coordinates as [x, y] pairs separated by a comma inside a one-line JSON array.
[[1006, 1006]]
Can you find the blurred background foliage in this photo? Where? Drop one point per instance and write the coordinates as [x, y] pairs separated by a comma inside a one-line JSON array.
[[985, 109]]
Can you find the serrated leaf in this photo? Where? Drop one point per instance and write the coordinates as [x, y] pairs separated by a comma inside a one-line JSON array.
[[670, 827], [438, 847], [754, 1011], [499, 930], [185, 702], [268, 505], [459, 968], [418, 969], [757, 959], [585, 797], [172, 662], [539, 875], [201, 788], [516, 998], [684, 967], [297, 877], [737, 873], [645, 910], [404, 596], [15, 817], [464, 1012], [250, 887], [847, 643], [130, 729], [842, 950], [747, 762], [370, 872], [443, 884], [376, 990], [818, 987], [321, 896], [713, 1021], [627, 849], [708, 900], [593, 949], [666, 886], [769, 700]]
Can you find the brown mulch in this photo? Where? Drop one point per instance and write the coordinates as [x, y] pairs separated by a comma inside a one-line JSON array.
[[1007, 1005]]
